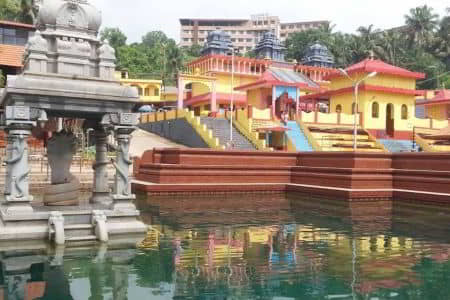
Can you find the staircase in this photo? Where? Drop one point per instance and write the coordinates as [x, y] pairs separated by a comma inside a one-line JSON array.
[[298, 138], [221, 130], [398, 145]]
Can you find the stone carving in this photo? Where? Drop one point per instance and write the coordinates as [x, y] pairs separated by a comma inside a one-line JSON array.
[[37, 43], [71, 15], [101, 229], [65, 188], [106, 51], [76, 14], [19, 180], [122, 164], [56, 226]]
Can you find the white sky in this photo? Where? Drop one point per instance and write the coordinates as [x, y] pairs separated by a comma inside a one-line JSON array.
[[137, 17]]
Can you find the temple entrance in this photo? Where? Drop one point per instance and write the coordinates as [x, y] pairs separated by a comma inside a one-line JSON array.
[[390, 120]]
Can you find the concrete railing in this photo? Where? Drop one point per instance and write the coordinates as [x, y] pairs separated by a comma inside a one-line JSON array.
[[205, 133], [243, 124], [430, 123]]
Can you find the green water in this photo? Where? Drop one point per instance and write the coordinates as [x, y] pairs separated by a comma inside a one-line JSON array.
[[251, 247]]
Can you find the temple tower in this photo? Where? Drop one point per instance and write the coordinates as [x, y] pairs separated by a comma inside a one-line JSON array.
[[218, 43], [269, 47], [317, 55]]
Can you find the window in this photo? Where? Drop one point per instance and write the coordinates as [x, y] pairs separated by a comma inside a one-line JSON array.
[[186, 40], [139, 90], [249, 48], [249, 40], [291, 26], [283, 35], [233, 40], [353, 108], [240, 40], [338, 108], [146, 92], [375, 110], [404, 112], [156, 93], [283, 26], [241, 32]]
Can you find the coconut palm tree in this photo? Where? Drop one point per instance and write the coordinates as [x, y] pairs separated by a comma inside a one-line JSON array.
[[421, 23]]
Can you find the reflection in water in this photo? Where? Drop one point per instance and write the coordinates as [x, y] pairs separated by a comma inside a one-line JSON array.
[[251, 246]]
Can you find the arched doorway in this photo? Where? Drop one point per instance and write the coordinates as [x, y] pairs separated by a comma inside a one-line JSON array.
[[390, 120]]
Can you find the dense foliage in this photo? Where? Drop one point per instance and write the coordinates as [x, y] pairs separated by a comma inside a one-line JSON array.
[[157, 56], [422, 44], [17, 10]]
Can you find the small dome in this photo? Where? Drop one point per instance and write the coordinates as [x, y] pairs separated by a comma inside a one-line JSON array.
[[69, 13], [318, 46]]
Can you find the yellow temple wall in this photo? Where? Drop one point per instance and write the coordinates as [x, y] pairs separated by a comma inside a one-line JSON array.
[[223, 83], [199, 89], [383, 99], [379, 80], [436, 112], [365, 101]]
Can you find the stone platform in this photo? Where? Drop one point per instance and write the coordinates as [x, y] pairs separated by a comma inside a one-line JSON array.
[[421, 177], [78, 222]]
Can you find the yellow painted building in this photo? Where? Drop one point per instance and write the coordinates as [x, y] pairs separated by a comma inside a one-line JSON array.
[[209, 83]]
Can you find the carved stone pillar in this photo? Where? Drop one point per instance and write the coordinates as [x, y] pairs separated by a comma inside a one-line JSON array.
[[124, 124], [122, 186], [18, 121], [101, 190]]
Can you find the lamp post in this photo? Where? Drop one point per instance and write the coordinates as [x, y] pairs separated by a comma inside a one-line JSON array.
[[356, 84], [232, 97]]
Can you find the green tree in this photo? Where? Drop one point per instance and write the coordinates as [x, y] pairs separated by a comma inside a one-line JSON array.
[[154, 38], [134, 58], [9, 9], [27, 12], [115, 37], [421, 24]]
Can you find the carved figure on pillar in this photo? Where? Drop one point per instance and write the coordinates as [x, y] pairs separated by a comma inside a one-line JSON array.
[[19, 122], [124, 125], [123, 162]]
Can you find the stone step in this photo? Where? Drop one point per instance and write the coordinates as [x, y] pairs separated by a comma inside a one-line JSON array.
[[76, 230], [81, 238]]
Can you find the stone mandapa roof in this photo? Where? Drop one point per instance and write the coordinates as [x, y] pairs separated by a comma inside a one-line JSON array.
[[11, 55]]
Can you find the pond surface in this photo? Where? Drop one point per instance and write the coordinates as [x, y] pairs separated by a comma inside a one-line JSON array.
[[271, 246]]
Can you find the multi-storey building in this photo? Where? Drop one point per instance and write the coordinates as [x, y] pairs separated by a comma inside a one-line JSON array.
[[286, 29], [245, 33], [13, 37]]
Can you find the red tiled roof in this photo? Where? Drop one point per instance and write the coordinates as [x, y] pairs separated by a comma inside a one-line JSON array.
[[375, 65], [17, 24], [11, 55], [442, 97]]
